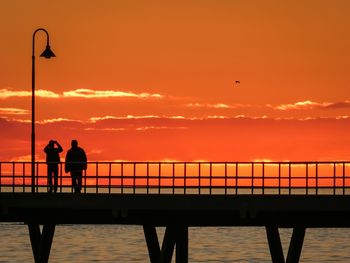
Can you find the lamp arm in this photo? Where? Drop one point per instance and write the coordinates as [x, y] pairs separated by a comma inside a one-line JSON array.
[[47, 38]]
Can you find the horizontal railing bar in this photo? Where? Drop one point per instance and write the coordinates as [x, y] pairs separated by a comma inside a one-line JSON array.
[[193, 162]]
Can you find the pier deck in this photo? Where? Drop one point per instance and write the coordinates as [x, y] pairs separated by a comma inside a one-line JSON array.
[[177, 196], [191, 210]]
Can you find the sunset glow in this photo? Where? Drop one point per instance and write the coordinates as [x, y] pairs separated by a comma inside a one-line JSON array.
[[189, 80]]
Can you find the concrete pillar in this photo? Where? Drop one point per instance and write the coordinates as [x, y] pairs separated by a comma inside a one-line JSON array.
[[296, 245], [174, 235], [182, 245], [152, 242], [273, 238], [41, 241], [168, 245]]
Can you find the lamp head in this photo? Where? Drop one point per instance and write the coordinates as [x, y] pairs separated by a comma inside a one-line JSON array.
[[47, 52]]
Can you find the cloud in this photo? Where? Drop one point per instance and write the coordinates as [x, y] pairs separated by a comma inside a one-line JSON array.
[[54, 120], [78, 93], [341, 104], [13, 111], [96, 119], [46, 94], [145, 128], [104, 129], [342, 117], [308, 105], [88, 93], [6, 93], [216, 105]]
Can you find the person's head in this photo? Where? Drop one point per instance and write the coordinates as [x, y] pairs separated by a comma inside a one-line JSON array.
[[74, 143], [51, 143]]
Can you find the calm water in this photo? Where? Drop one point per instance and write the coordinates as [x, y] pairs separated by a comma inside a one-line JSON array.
[[113, 243]]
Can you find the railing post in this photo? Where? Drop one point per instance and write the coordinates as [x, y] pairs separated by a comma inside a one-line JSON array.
[[96, 177], [316, 178], [334, 181], [199, 177], [84, 172], [134, 178], [252, 178], [173, 178], [13, 177], [159, 174], [23, 174], [279, 178], [344, 178], [263, 178], [236, 178], [290, 178], [210, 177], [122, 177], [307, 178], [225, 178], [185, 169], [0, 177], [61, 175], [109, 177], [37, 177], [147, 179]]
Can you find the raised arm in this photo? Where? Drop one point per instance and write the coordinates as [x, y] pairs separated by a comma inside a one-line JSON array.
[[60, 149]]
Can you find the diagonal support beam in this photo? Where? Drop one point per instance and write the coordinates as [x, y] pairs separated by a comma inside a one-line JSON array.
[[41, 241], [174, 236], [152, 242], [168, 245], [274, 240], [35, 238], [296, 245]]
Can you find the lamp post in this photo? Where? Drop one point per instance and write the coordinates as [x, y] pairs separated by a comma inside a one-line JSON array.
[[47, 53]]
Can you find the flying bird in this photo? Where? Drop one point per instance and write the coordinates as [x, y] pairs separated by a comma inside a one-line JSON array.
[[236, 82]]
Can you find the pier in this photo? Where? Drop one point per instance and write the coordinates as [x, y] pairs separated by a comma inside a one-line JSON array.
[[179, 195]]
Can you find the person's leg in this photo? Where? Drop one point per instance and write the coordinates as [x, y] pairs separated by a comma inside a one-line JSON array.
[[49, 178], [79, 180], [74, 183], [55, 177]]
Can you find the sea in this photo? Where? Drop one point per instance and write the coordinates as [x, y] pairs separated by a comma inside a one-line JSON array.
[[119, 243]]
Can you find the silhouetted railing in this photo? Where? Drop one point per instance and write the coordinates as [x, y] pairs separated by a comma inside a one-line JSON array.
[[228, 178]]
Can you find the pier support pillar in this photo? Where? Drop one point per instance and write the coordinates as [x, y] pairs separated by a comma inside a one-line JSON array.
[[173, 236], [152, 242], [182, 245], [168, 245], [296, 245], [41, 241], [273, 238]]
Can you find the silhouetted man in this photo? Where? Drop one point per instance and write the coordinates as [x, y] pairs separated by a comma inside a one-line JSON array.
[[76, 162], [52, 161]]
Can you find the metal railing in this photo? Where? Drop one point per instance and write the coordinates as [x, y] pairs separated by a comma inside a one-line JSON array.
[[227, 178]]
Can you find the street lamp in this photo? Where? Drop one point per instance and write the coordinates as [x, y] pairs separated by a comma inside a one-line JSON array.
[[47, 53]]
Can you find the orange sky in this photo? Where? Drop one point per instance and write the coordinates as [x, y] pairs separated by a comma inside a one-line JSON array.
[[154, 80]]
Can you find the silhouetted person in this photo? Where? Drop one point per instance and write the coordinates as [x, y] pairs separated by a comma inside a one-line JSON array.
[[76, 162], [52, 161]]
